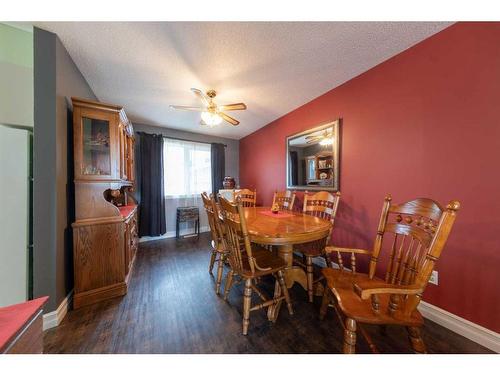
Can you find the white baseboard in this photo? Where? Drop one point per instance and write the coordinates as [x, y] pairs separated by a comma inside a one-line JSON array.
[[463, 327], [54, 318], [171, 234]]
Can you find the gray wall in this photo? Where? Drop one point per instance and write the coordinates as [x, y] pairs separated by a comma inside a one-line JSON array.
[[44, 167], [232, 149], [56, 79]]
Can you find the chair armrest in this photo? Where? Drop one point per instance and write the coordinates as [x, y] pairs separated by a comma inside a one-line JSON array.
[[331, 249], [252, 259], [368, 288]]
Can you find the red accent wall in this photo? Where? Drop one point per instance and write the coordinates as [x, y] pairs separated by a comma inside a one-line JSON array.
[[425, 123]]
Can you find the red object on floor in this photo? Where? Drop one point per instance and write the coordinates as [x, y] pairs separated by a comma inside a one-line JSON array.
[[13, 318], [279, 215]]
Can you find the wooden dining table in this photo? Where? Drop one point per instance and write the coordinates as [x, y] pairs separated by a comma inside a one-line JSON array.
[[284, 230]]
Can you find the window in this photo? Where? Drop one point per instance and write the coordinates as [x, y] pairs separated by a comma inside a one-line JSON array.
[[187, 168]]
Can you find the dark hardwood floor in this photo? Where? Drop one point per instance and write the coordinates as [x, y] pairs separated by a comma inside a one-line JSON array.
[[171, 307]]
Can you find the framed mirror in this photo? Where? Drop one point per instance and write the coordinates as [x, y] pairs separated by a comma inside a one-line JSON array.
[[312, 158]]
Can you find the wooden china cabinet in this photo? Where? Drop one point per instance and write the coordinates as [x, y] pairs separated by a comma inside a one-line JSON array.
[[319, 169], [105, 229]]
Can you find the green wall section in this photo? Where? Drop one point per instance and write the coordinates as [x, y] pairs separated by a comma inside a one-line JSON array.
[[16, 76], [16, 46]]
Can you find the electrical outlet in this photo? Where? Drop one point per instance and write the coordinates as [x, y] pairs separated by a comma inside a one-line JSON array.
[[434, 278]]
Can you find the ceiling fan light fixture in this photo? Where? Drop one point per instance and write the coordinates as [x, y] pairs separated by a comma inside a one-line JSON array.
[[211, 118], [326, 141]]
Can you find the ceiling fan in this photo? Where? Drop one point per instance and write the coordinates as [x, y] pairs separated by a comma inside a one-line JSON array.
[[325, 138], [211, 113]]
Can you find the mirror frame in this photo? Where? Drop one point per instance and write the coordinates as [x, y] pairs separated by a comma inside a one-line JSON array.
[[336, 158]]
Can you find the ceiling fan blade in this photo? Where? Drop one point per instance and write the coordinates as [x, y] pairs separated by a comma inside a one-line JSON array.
[[202, 96], [229, 119], [232, 107], [187, 108]]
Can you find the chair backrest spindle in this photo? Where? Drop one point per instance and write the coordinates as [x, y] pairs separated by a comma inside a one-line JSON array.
[[213, 220], [246, 197], [420, 229], [236, 235], [284, 199]]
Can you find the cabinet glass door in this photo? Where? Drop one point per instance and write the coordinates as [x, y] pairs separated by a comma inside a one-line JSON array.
[[96, 147]]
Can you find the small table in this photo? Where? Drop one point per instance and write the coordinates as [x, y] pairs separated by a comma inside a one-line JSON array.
[[185, 214]]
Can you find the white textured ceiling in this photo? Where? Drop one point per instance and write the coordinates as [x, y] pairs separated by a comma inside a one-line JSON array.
[[273, 67]]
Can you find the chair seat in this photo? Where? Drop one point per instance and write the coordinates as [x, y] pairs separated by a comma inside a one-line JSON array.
[[341, 285], [265, 259]]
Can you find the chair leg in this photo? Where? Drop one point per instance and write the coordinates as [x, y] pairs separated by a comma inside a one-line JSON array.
[[220, 268], [324, 303], [284, 290], [350, 336], [383, 329], [328, 261], [229, 284], [212, 262], [416, 341], [310, 278], [247, 300]]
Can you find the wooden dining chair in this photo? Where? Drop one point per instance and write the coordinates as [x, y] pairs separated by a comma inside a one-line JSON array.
[[323, 205], [251, 263], [218, 252], [414, 234], [246, 197], [284, 199]]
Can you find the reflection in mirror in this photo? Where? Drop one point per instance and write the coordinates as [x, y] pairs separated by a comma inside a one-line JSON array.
[[313, 158]]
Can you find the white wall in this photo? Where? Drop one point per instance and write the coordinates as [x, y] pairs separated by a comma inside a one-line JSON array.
[[14, 158], [16, 108]]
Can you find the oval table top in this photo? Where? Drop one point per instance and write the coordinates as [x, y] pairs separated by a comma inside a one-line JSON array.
[[297, 228]]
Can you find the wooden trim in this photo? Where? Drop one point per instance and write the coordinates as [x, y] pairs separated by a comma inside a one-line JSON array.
[[100, 294], [291, 239], [91, 104], [101, 220], [117, 181], [54, 318], [87, 103], [104, 220]]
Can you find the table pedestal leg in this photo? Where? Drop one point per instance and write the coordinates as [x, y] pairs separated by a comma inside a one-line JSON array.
[[293, 274]]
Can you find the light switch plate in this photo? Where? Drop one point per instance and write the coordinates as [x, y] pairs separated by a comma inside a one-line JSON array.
[[434, 278]]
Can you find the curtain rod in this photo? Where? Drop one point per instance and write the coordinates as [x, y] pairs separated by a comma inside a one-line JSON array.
[[181, 139], [190, 140]]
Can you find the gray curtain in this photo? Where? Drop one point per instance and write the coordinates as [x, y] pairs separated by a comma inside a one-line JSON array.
[[294, 168], [152, 221], [218, 162]]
